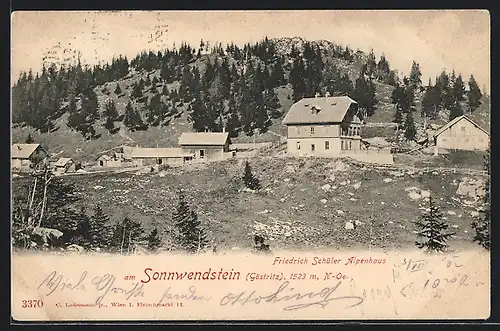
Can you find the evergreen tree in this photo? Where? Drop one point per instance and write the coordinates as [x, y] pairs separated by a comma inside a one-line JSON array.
[[482, 225], [153, 240], [398, 116], [118, 90], [136, 91], [409, 127], [99, 231], [474, 94], [272, 103], [364, 94], [127, 236], [457, 92], [249, 178], [111, 115], [431, 102], [432, 228], [30, 139], [132, 119], [190, 235], [371, 64], [415, 75]]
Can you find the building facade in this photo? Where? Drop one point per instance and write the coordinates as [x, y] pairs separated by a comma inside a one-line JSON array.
[[26, 157], [323, 127], [206, 146], [463, 134], [160, 156]]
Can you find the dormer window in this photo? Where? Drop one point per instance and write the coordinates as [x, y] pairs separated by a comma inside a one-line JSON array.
[[312, 130], [315, 109]]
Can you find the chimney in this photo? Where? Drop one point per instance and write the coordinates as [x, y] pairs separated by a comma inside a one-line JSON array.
[[223, 129]]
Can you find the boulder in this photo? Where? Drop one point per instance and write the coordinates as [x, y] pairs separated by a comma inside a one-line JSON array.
[[451, 212], [340, 212], [75, 248], [473, 188], [412, 189], [46, 236], [323, 201], [326, 187], [349, 226], [357, 185], [425, 194], [414, 195], [387, 180]]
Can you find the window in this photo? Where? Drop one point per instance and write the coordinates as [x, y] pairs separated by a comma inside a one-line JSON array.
[[313, 147], [160, 161], [298, 144], [349, 131], [342, 145], [463, 128], [327, 145], [350, 144], [202, 153], [312, 130]]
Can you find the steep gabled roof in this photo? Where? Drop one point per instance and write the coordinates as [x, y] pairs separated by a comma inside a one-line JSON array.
[[139, 152], [319, 110], [23, 151], [204, 138], [456, 120]]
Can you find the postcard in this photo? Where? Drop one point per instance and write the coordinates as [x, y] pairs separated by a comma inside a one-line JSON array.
[[250, 165]]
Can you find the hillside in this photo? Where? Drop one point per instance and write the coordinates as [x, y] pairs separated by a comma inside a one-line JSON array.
[[67, 142], [304, 203]]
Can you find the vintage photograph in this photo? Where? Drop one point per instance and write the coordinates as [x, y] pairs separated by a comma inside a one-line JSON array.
[[131, 133], [192, 132]]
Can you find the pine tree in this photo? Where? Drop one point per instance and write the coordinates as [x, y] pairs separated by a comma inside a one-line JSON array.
[[415, 75], [111, 115], [190, 235], [474, 94], [398, 116], [118, 90], [100, 232], [482, 225], [457, 92], [249, 179], [30, 139], [409, 127], [136, 91], [432, 228], [154, 240], [127, 235]]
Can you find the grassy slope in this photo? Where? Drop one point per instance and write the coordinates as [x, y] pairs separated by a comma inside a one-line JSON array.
[[69, 143], [290, 201]]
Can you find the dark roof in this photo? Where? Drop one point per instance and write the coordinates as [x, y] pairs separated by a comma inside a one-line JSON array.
[[23, 151], [319, 110], [204, 138]]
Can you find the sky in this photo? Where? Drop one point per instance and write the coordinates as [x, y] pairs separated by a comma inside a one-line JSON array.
[[436, 39]]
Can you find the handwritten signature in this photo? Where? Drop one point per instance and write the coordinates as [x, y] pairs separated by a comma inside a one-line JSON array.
[[102, 284], [284, 293]]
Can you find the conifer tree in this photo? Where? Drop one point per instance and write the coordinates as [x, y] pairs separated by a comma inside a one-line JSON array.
[[398, 116], [100, 232], [432, 228], [118, 90], [127, 235], [415, 75], [153, 240], [30, 139], [136, 91], [482, 225], [474, 94], [249, 178], [190, 236], [164, 90], [409, 127], [111, 115]]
